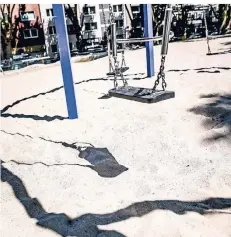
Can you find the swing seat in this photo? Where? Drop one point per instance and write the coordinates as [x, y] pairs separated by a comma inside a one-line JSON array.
[[139, 94], [123, 69]]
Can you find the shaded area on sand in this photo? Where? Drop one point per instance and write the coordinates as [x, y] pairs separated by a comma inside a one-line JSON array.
[[87, 224], [217, 115]]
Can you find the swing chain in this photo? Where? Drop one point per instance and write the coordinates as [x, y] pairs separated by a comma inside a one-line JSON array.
[[117, 68], [107, 37], [123, 63], [116, 64], [161, 75], [112, 18]]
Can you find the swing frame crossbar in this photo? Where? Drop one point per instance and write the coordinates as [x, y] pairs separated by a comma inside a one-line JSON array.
[[137, 40]]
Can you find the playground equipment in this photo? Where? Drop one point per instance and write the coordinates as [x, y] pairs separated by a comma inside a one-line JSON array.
[[143, 94], [207, 33], [123, 66], [64, 51], [210, 37]]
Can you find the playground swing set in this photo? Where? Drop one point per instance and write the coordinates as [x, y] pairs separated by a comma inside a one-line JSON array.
[[145, 95], [123, 66]]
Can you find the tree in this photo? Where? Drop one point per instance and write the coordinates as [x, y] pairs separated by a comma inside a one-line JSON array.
[[12, 28], [223, 15], [8, 28], [158, 11], [72, 14]]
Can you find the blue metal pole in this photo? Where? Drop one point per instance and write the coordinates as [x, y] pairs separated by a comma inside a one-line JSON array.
[[64, 52], [148, 32]]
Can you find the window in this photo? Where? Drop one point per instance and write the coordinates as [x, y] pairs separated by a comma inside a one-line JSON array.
[[92, 10], [135, 9], [91, 26], [89, 10], [114, 8], [54, 48], [85, 10], [26, 34], [120, 8], [27, 16], [30, 33], [119, 23], [50, 12], [52, 30], [117, 8], [34, 33]]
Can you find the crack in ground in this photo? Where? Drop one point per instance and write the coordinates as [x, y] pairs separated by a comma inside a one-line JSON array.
[[13, 134], [65, 144], [101, 160], [201, 69], [60, 87], [42, 163]]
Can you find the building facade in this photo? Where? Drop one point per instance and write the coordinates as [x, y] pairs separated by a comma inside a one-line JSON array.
[[26, 27], [51, 41], [94, 20], [194, 15]]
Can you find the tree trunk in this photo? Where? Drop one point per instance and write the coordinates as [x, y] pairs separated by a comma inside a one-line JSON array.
[[224, 18], [184, 22], [8, 51]]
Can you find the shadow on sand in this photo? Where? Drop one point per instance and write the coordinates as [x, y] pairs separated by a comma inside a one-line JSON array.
[[202, 69], [219, 53], [56, 117], [217, 114], [87, 224], [100, 159]]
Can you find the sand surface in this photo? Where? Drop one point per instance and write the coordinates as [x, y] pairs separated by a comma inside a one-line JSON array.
[[165, 169]]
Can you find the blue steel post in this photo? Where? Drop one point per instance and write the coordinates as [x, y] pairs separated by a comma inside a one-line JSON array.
[[64, 52], [148, 32]]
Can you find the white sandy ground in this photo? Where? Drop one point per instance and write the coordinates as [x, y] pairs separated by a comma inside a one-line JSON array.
[[162, 145]]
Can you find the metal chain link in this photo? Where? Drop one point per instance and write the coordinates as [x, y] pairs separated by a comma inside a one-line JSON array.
[[117, 69], [108, 39], [161, 75], [112, 17], [116, 63], [123, 63]]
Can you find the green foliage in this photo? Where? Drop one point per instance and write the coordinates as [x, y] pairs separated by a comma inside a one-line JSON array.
[[72, 14], [158, 11]]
